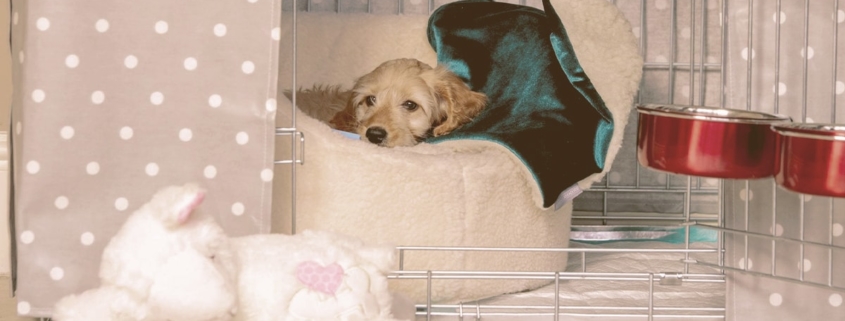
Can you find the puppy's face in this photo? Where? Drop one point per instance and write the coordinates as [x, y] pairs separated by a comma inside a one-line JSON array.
[[397, 103]]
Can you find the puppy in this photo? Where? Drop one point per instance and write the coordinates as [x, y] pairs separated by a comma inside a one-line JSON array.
[[404, 101]]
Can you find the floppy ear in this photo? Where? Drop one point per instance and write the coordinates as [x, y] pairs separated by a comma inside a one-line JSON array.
[[345, 120], [457, 103]]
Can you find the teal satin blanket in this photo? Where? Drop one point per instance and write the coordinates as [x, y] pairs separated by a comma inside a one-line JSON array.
[[541, 104]]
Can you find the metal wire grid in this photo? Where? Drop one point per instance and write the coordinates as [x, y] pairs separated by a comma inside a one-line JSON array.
[[685, 219]]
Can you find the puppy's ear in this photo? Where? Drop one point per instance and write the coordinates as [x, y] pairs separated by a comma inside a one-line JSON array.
[[457, 104], [345, 119]]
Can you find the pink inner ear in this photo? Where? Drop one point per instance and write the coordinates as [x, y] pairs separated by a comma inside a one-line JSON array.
[[190, 206]]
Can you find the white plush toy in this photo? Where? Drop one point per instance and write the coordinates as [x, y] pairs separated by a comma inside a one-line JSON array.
[[170, 262]]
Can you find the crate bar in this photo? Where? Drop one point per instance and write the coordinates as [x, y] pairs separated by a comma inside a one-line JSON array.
[[628, 189], [651, 296], [692, 52], [593, 276], [459, 307], [293, 121], [579, 315], [642, 48], [777, 277], [644, 218], [673, 36], [687, 206], [702, 75], [835, 61], [830, 241], [778, 13], [282, 131], [557, 296], [767, 236], [541, 249]]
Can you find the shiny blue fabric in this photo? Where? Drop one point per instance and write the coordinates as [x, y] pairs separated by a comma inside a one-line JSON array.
[[542, 106]]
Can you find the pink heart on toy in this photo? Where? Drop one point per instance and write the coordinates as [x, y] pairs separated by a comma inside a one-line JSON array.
[[320, 278]]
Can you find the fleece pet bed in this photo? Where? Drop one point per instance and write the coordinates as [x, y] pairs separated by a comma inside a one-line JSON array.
[[457, 192]]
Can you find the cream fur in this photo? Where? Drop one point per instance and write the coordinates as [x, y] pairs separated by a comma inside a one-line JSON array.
[[458, 193]]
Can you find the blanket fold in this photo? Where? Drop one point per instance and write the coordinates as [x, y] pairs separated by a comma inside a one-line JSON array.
[[541, 104]]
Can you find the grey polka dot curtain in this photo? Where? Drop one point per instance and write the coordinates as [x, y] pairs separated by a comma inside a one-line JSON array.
[[116, 99]]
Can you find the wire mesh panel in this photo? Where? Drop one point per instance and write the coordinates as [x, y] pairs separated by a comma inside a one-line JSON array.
[[782, 58]]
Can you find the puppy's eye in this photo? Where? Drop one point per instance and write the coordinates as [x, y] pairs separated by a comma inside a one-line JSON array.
[[410, 105], [371, 100]]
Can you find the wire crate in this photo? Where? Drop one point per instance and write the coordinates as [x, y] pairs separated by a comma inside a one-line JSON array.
[[697, 52]]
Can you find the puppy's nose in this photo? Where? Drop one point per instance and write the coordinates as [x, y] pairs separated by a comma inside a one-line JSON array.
[[376, 135]]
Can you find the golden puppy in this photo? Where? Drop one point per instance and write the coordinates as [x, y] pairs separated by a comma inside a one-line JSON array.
[[403, 101]]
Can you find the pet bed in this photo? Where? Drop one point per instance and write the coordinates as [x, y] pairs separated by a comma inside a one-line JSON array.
[[457, 192]]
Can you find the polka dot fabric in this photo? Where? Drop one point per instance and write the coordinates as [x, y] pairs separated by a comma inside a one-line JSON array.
[[114, 100], [751, 297]]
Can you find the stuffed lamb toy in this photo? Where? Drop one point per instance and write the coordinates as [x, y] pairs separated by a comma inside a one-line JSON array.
[[171, 262]]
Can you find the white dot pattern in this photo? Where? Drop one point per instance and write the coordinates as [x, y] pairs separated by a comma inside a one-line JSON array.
[[191, 63], [215, 101], [121, 204], [102, 25], [837, 229], [835, 300], [87, 238], [744, 53], [42, 24], [242, 138], [741, 264], [33, 167], [808, 265], [72, 61], [810, 50], [186, 134], [775, 299], [93, 168], [98, 97], [38, 95], [267, 175], [270, 105], [782, 17], [24, 308], [130, 62], [210, 172], [238, 209], [67, 132], [151, 169], [57, 273], [126, 133], [157, 98], [27, 237], [122, 117], [745, 194], [248, 67], [220, 30], [161, 27], [62, 202]]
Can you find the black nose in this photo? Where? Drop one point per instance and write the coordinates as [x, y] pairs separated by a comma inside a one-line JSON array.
[[376, 135]]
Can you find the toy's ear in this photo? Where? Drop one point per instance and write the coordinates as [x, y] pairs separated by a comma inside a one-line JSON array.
[[187, 206], [175, 205]]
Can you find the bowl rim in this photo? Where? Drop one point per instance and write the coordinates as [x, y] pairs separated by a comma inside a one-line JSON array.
[[712, 114], [824, 131]]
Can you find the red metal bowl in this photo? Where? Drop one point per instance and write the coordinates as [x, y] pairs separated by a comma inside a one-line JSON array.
[[811, 158], [706, 141]]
